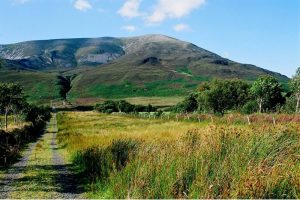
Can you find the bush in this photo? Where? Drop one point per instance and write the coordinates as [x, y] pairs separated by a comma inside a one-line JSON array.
[[203, 106], [12, 142], [122, 106], [290, 105], [189, 104], [125, 107], [107, 107], [250, 107], [36, 114]]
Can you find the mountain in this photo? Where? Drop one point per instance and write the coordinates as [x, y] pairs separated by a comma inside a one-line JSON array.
[[64, 53], [150, 65]]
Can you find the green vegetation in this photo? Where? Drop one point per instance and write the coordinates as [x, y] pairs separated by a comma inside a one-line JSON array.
[[169, 159], [164, 88], [38, 179], [295, 85], [268, 93], [221, 96], [203, 147], [12, 102], [122, 106], [164, 67], [98, 163], [155, 101], [65, 85], [12, 142], [38, 87]]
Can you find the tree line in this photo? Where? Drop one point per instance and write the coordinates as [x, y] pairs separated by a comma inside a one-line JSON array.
[[266, 94], [13, 102]]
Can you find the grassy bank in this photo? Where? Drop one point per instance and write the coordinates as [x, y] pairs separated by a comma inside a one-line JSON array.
[[170, 159]]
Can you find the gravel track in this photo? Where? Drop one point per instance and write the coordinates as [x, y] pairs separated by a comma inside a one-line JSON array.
[[64, 180], [15, 171]]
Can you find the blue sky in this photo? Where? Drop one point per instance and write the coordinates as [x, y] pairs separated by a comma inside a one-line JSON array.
[[265, 33]]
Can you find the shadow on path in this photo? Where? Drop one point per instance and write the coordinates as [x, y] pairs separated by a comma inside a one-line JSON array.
[[57, 178]]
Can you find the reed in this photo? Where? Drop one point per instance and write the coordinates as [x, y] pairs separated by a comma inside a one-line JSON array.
[[170, 159]]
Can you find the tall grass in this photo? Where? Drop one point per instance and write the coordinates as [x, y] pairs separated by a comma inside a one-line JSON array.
[[184, 159], [97, 163]]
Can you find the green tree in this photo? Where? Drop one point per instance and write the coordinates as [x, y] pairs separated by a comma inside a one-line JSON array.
[[295, 86], [11, 98], [267, 92], [189, 104], [36, 114], [227, 94], [217, 97], [65, 84], [107, 107], [124, 106]]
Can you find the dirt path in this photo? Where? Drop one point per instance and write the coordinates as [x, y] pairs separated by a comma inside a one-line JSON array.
[[15, 172], [42, 172]]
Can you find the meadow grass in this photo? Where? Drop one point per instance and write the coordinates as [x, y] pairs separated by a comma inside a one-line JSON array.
[[12, 123], [155, 101], [173, 159]]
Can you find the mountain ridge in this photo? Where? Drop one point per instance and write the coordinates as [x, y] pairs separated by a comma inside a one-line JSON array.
[[148, 65]]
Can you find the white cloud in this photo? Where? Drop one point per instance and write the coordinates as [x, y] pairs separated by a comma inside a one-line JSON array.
[[172, 9], [130, 9], [129, 28], [82, 5], [181, 27]]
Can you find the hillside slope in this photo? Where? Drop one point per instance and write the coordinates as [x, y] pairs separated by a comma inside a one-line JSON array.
[[39, 86], [150, 65]]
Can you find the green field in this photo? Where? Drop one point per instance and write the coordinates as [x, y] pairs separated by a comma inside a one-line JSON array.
[[182, 159], [42, 88]]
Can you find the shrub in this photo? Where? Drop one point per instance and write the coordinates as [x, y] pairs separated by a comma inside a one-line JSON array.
[[250, 107], [107, 107], [189, 104], [12, 142], [268, 93], [36, 114], [202, 100], [122, 106], [150, 108], [125, 107], [290, 105]]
